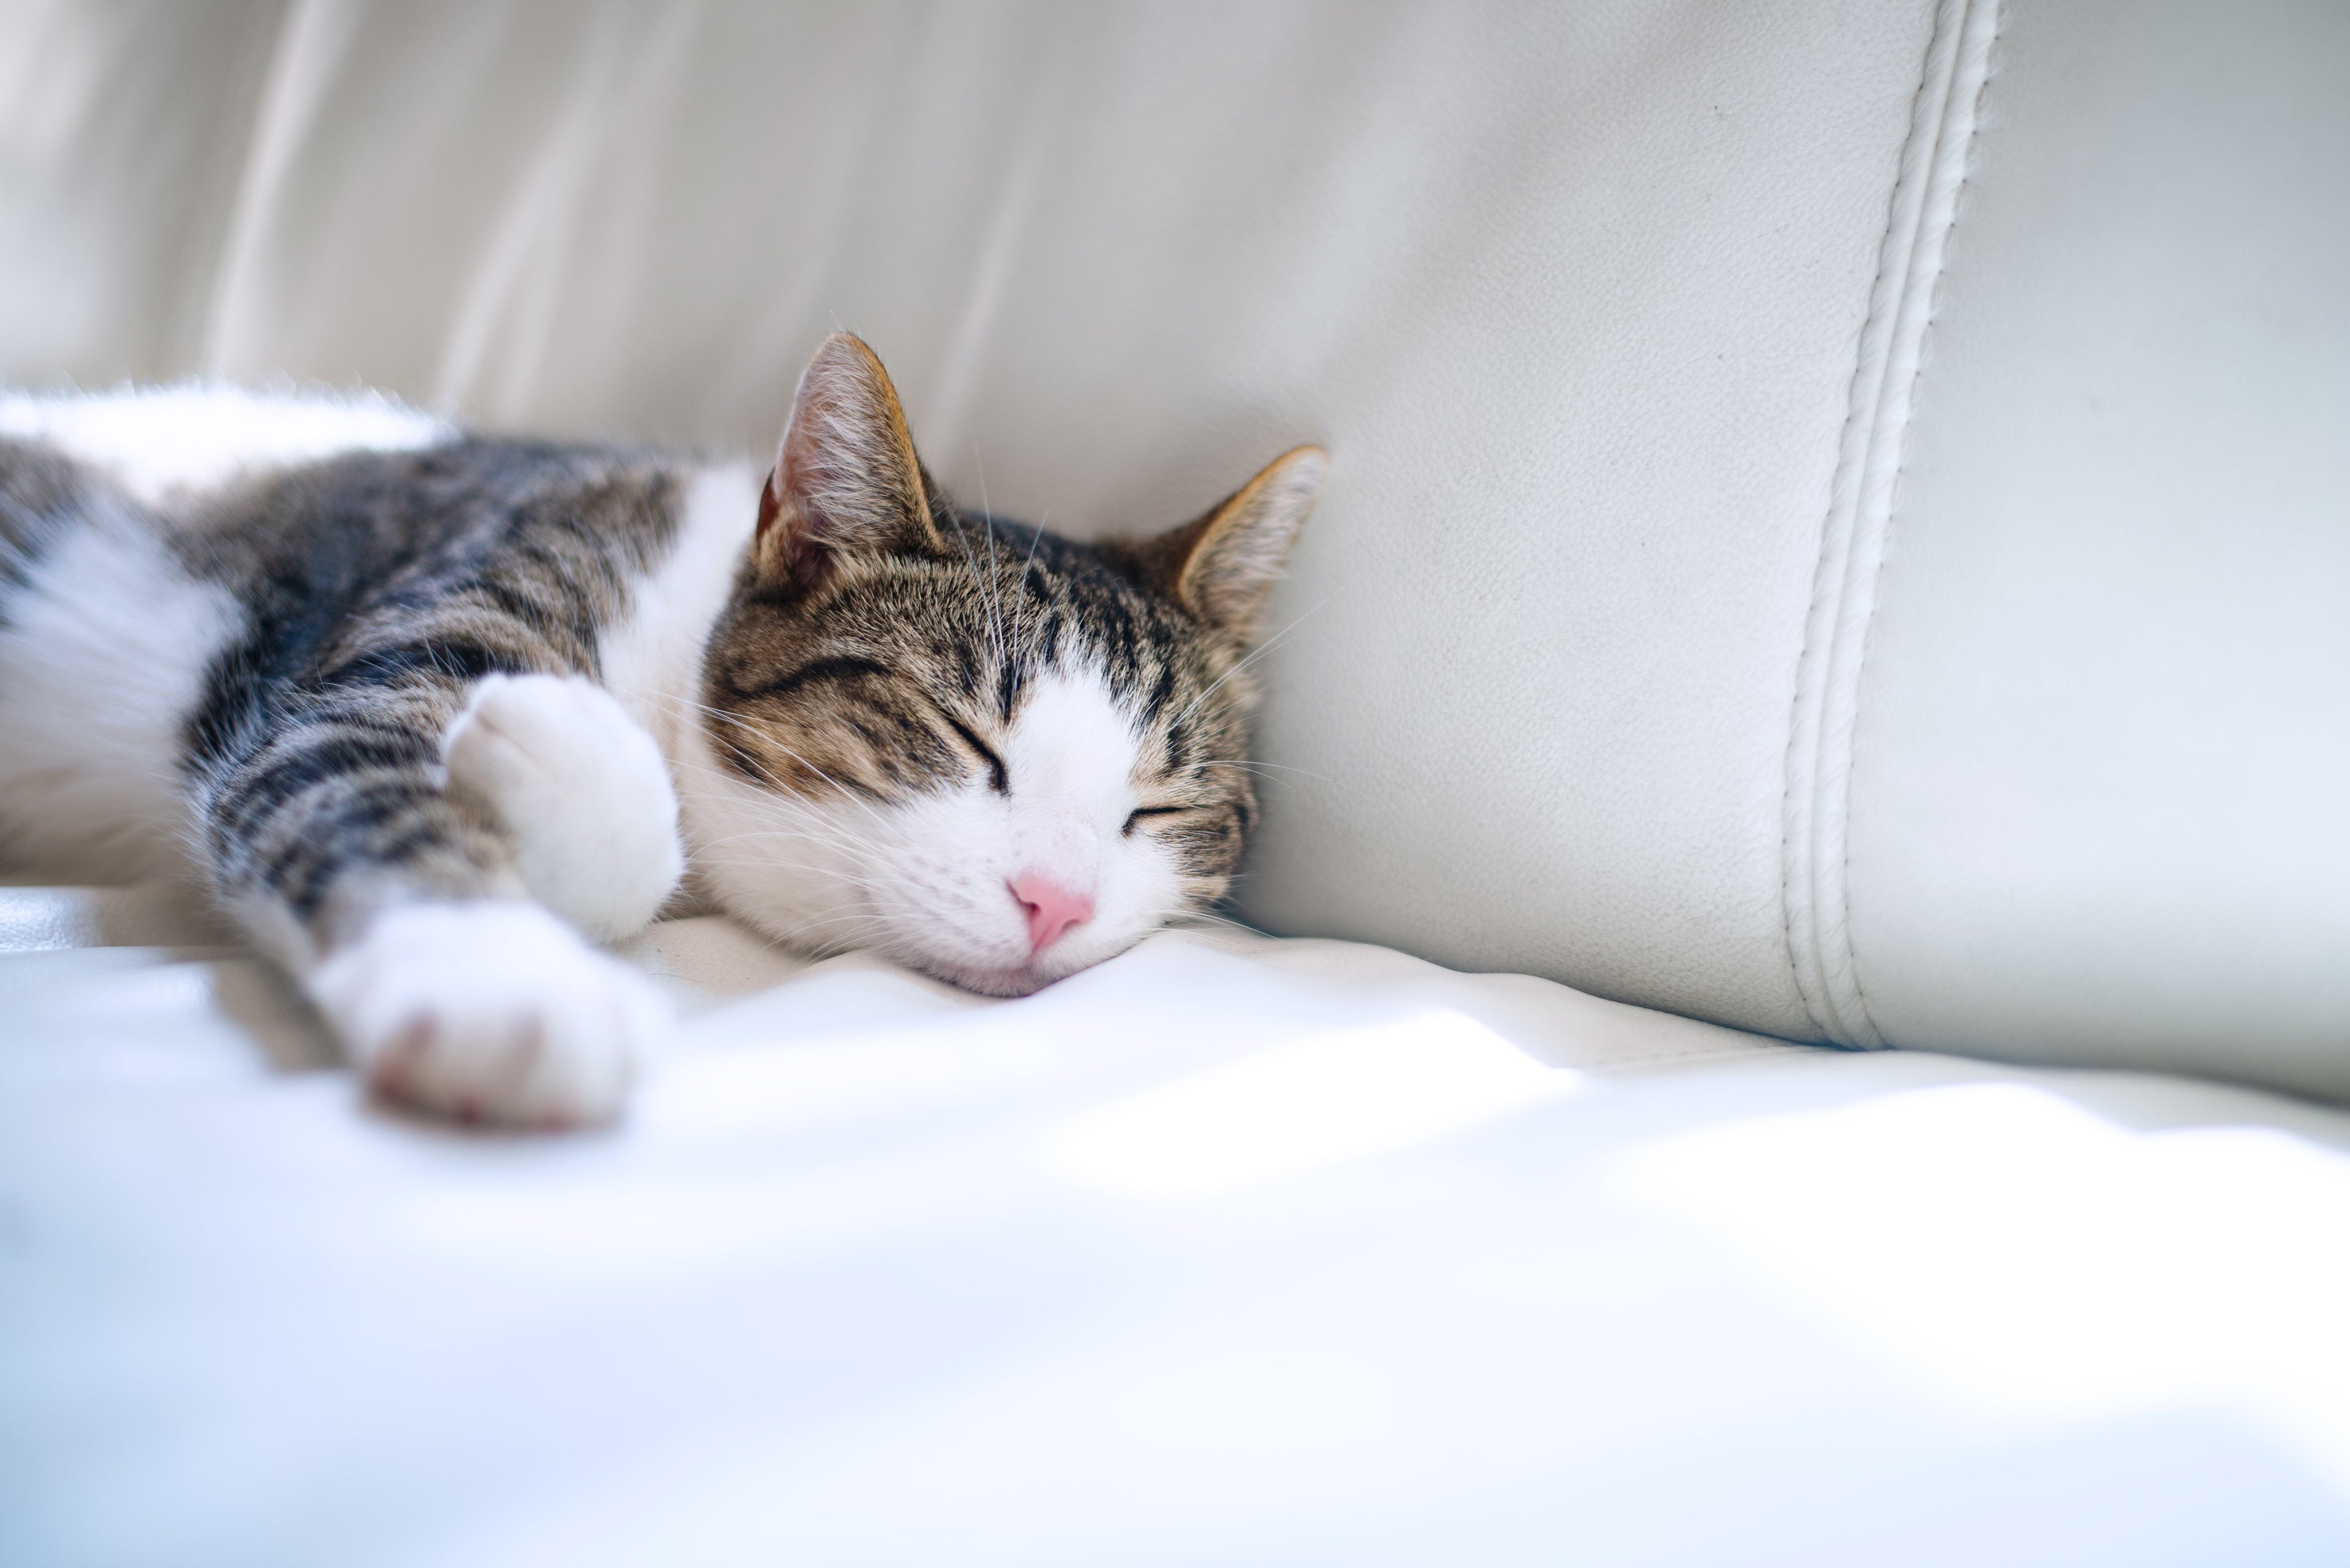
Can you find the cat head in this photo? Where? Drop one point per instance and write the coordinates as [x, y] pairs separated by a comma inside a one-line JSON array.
[[996, 754]]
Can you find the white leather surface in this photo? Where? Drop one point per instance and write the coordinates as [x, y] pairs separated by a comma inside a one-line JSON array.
[[2103, 750], [1237, 1251], [1572, 293], [1231, 1252]]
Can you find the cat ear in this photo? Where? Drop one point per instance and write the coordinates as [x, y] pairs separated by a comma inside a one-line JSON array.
[[847, 481], [1220, 566]]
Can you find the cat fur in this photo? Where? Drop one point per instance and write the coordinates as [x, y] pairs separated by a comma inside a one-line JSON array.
[[430, 713]]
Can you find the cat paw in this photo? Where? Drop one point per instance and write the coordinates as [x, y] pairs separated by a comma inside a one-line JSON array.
[[491, 1011], [582, 792]]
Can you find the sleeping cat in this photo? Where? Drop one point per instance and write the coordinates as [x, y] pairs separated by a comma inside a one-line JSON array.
[[431, 713]]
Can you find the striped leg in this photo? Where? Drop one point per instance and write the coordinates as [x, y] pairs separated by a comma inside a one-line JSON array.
[[399, 907]]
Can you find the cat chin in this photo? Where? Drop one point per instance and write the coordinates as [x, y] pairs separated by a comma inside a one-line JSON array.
[[1006, 983]]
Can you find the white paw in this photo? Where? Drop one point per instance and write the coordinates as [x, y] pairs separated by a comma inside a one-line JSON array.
[[490, 1011], [582, 792]]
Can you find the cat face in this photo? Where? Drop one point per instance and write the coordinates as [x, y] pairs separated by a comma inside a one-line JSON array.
[[996, 754]]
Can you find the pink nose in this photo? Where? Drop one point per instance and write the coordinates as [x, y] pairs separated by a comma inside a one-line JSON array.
[[1052, 910]]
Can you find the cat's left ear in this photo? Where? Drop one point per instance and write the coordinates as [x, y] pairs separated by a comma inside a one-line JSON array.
[[1220, 566], [847, 481]]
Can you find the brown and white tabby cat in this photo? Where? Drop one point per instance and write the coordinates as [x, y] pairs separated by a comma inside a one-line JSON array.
[[427, 709]]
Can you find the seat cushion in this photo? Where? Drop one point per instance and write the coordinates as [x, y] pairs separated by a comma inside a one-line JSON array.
[[1231, 1250]]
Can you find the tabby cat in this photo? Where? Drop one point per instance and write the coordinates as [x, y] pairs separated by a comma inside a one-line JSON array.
[[432, 713]]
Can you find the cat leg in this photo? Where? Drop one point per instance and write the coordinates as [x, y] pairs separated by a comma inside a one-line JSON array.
[[396, 904], [489, 1010], [582, 794]]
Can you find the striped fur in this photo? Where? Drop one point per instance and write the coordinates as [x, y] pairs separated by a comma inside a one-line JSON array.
[[379, 589], [390, 697]]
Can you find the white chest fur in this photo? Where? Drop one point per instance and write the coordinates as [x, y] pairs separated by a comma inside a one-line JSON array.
[[651, 656]]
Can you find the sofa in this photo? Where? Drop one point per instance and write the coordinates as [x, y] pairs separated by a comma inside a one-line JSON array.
[[1792, 1005]]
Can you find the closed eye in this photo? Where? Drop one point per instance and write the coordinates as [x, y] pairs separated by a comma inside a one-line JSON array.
[[998, 778], [1135, 819]]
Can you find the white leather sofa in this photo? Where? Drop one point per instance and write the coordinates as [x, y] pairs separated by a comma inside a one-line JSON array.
[[1840, 534]]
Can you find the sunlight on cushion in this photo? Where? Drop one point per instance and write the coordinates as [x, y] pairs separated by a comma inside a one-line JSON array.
[[47, 920], [2033, 1262], [1344, 1094]]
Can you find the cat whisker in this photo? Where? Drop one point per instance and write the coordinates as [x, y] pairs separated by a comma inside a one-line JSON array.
[[870, 884], [971, 560], [994, 583], [1270, 773], [1020, 609], [1267, 646], [1027, 655], [777, 786], [1178, 919]]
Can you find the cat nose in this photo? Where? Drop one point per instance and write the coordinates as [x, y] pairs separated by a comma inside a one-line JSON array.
[[1052, 910]]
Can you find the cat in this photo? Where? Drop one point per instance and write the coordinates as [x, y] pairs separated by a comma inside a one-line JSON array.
[[431, 714]]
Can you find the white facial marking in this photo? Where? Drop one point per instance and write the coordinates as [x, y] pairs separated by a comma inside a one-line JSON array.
[[930, 881], [1070, 760]]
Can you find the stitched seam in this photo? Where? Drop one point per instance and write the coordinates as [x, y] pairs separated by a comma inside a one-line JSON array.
[[1815, 913], [1964, 160], [1794, 858], [1798, 809], [1937, 217], [1831, 786]]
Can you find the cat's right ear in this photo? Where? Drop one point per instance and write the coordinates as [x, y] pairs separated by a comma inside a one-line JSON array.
[[847, 482]]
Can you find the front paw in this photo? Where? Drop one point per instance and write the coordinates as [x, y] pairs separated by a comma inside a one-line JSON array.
[[489, 1011], [582, 792]]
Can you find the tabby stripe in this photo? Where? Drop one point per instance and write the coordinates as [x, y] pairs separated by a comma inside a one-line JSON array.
[[843, 668], [461, 659], [1007, 693], [329, 825], [1160, 694], [270, 784], [520, 605]]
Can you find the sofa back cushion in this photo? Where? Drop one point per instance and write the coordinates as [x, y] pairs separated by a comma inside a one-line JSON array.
[[1830, 526]]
